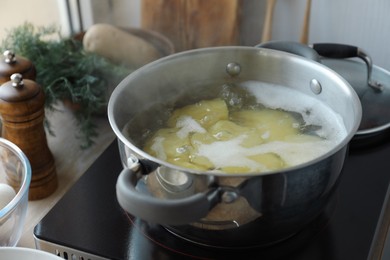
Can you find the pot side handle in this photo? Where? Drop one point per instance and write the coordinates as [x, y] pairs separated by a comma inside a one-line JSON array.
[[292, 47], [161, 211]]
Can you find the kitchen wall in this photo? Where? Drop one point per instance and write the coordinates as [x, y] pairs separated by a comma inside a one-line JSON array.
[[39, 12], [359, 22], [48, 12], [118, 12]]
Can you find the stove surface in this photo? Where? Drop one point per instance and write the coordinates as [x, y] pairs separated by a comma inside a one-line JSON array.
[[88, 223]]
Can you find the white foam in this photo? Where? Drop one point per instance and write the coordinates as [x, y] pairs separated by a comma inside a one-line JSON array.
[[188, 125], [158, 148], [231, 154]]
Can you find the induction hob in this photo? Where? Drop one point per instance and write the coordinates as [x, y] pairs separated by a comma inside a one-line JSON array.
[[88, 223]]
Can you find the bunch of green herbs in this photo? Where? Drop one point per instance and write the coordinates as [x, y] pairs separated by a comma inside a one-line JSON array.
[[67, 73]]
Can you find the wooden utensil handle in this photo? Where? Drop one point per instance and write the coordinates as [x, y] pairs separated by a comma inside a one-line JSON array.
[[267, 28], [306, 24], [191, 24]]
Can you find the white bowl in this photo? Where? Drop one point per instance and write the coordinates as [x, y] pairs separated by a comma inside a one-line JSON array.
[[14, 253], [15, 173]]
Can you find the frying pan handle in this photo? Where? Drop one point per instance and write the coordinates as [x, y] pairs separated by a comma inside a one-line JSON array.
[[343, 51], [292, 47], [163, 211], [337, 51]]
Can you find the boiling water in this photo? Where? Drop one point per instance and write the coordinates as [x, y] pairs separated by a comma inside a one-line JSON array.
[[305, 129], [313, 111], [328, 125]]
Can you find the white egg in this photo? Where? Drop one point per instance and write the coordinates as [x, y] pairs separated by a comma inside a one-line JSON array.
[[7, 193]]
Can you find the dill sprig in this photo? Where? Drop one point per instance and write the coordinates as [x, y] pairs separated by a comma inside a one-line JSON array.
[[66, 72]]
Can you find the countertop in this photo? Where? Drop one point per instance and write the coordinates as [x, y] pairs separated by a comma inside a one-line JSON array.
[[71, 162]]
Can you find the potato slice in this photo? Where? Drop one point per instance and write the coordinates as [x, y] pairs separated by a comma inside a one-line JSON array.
[[166, 144], [259, 163], [201, 161], [206, 112], [272, 124], [184, 162], [235, 169], [226, 130], [196, 140], [270, 161]]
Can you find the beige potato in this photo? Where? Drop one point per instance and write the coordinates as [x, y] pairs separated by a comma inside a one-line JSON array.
[[119, 46], [205, 112], [235, 169], [226, 130], [272, 124], [269, 160], [184, 162], [265, 162], [196, 140], [166, 144]]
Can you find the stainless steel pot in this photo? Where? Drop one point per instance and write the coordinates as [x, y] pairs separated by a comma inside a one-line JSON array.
[[216, 209]]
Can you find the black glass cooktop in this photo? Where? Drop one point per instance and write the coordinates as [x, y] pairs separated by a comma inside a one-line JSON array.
[[88, 223]]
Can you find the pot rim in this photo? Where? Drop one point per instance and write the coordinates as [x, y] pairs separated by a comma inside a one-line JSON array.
[[335, 76]]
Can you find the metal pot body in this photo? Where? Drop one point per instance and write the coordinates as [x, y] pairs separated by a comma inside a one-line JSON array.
[[215, 209]]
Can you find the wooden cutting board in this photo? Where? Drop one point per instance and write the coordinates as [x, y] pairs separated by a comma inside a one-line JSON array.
[[193, 24]]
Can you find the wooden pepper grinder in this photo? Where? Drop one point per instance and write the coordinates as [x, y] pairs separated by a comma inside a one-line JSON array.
[[11, 63], [22, 112]]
